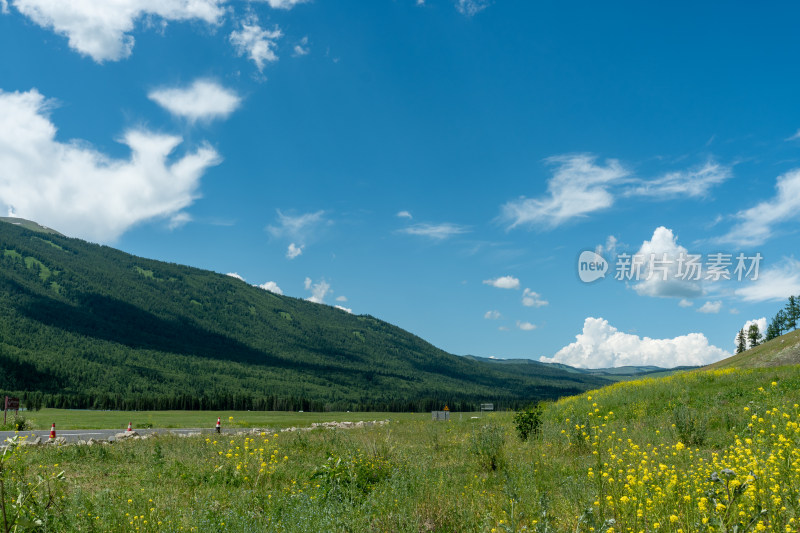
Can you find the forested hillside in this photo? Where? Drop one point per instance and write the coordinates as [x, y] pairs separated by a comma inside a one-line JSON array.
[[88, 326]]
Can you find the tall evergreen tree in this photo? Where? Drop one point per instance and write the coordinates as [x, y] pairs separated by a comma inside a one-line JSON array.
[[792, 312], [754, 335], [741, 342]]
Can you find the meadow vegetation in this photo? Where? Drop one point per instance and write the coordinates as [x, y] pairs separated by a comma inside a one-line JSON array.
[[699, 451]]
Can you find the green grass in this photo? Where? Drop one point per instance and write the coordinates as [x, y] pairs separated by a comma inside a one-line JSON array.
[[88, 419], [641, 453], [784, 350]]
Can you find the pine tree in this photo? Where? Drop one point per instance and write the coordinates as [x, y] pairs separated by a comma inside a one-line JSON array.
[[792, 312], [741, 342], [754, 336]]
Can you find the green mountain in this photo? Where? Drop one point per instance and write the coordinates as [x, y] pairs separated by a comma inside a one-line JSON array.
[[88, 326]]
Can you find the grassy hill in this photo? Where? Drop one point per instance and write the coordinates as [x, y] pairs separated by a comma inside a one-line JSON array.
[[780, 351], [83, 325]]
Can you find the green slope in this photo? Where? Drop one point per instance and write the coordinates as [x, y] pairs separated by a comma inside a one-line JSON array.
[[781, 351], [83, 325]]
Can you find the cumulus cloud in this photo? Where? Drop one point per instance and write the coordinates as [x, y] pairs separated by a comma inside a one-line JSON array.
[[271, 286], [526, 326], [762, 327], [437, 232], [235, 275], [318, 290], [255, 42], [503, 282], [662, 263], [293, 251], [710, 307], [692, 183], [204, 100], [579, 186], [404, 214], [492, 315], [755, 225], [774, 284], [82, 192], [601, 345], [532, 299], [345, 309], [469, 7], [102, 30], [685, 303]]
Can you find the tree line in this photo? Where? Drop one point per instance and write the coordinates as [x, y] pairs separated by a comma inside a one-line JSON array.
[[784, 321]]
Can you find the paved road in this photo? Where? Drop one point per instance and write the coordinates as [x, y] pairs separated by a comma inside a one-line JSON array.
[[73, 435]]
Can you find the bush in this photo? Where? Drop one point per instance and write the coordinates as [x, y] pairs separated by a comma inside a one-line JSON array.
[[528, 422], [691, 427]]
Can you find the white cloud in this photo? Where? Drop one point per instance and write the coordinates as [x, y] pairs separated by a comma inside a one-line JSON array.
[[710, 307], [284, 4], [685, 303], [318, 290], [341, 298], [4, 7], [609, 249], [179, 220], [526, 326], [102, 29], [271, 286], [756, 223], [660, 260], [503, 282], [345, 309], [578, 187], [404, 214], [774, 284], [470, 7], [297, 227], [492, 315], [532, 299], [255, 42], [762, 327], [794, 137], [437, 232], [235, 275], [601, 345], [293, 251], [204, 100], [301, 48], [84, 193], [690, 183]]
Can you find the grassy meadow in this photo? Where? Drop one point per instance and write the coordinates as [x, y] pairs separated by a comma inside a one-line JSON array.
[[699, 451]]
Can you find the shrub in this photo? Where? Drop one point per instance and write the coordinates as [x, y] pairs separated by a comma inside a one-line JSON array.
[[487, 445], [528, 422], [691, 427]]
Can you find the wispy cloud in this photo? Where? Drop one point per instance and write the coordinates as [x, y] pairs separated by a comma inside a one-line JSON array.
[[492, 315], [774, 284], [526, 326], [302, 48], [404, 214], [470, 7], [755, 225], [578, 187], [283, 4], [710, 307], [203, 100], [692, 183], [438, 232], [318, 290], [794, 137]]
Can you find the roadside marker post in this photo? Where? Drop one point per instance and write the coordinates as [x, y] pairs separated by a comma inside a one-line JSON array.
[[218, 428], [53, 432], [130, 428]]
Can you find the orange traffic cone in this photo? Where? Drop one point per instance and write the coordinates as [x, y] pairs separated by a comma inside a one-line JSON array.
[[129, 427], [218, 428], [53, 431]]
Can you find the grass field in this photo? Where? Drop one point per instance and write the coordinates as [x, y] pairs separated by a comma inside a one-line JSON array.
[[86, 419], [695, 452]]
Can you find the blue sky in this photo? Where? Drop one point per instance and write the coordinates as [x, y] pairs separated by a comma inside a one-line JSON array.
[[439, 164]]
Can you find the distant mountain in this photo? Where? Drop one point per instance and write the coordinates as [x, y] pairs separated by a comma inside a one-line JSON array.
[[83, 325], [531, 367]]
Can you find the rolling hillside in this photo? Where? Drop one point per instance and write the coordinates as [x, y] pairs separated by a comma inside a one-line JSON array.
[[83, 325], [780, 351]]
